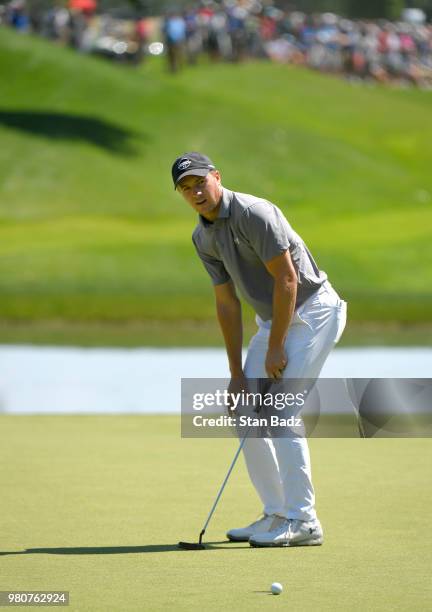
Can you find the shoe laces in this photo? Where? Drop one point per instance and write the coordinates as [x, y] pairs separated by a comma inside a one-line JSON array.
[[278, 521], [294, 525], [262, 518], [290, 526]]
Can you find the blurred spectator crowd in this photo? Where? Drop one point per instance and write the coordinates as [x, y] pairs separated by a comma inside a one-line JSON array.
[[78, 24], [235, 30]]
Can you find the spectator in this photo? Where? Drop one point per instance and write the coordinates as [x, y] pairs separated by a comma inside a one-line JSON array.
[[18, 16], [194, 40], [175, 36]]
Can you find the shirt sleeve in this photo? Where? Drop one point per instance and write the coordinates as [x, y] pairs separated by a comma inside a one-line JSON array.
[[214, 267], [266, 229]]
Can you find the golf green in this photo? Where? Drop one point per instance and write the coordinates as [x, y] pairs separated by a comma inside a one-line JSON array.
[[95, 505]]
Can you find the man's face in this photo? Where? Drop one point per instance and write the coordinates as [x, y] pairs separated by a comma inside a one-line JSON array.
[[203, 193]]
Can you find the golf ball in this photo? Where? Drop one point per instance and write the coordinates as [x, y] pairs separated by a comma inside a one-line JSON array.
[[276, 588]]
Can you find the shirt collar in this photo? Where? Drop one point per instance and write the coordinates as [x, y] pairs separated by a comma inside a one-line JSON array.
[[224, 210]]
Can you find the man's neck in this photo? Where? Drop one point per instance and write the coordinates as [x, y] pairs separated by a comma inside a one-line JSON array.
[[214, 214]]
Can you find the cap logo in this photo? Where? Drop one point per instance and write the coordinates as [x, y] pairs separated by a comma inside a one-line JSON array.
[[183, 164]]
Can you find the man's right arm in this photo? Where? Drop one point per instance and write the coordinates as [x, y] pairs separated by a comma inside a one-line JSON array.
[[229, 315]]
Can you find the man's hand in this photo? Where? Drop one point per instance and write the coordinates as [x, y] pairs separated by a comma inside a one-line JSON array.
[[275, 363], [236, 386], [282, 269]]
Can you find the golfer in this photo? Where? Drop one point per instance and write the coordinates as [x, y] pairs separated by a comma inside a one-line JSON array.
[[247, 245]]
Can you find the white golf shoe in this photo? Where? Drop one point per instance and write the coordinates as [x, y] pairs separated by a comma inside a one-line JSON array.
[[290, 532], [261, 526]]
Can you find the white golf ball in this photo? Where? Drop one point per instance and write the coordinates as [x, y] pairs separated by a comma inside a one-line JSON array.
[[276, 588]]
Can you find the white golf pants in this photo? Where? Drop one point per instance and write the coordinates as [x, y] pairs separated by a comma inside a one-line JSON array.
[[280, 468]]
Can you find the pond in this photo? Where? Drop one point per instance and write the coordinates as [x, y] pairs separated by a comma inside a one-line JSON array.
[[147, 380]]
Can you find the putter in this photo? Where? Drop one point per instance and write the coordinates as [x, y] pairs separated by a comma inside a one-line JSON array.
[[359, 423], [266, 384], [199, 545], [353, 398]]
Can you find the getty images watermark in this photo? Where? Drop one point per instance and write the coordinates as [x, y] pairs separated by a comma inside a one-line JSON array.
[[365, 407], [234, 402]]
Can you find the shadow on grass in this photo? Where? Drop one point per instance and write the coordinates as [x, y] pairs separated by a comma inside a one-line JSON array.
[[116, 550], [66, 126]]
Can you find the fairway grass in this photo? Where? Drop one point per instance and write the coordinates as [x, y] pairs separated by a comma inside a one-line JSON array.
[[91, 230], [96, 505]]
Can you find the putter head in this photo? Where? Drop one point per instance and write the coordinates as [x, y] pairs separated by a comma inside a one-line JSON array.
[[191, 546]]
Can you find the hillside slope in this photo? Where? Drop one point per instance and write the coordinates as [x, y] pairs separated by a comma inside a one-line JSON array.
[[91, 229]]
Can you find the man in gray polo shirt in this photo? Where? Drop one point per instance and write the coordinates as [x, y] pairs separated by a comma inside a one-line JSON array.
[[247, 245]]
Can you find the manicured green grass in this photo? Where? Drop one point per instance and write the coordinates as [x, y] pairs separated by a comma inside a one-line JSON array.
[[96, 504], [186, 332], [92, 231]]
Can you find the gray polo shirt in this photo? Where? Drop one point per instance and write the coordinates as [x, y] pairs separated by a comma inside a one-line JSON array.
[[248, 232]]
